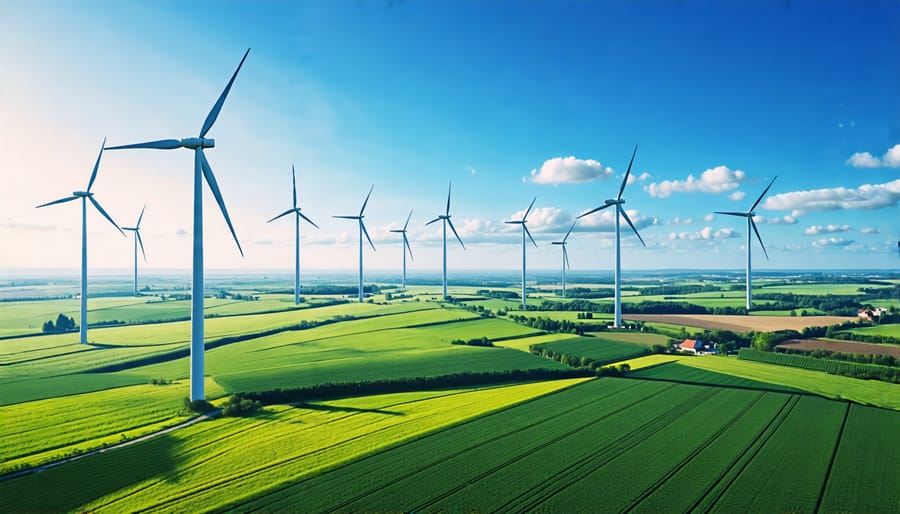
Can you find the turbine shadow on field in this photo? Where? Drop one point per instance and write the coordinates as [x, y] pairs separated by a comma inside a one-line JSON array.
[[93, 477], [337, 408]]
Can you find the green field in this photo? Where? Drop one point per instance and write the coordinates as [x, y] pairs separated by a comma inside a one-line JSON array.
[[600, 350], [866, 392], [892, 330]]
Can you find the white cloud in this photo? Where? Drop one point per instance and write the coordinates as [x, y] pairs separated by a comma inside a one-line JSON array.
[[869, 230], [709, 217], [815, 230], [714, 180], [890, 159], [867, 196], [680, 221], [544, 219], [567, 170], [706, 233], [737, 196], [784, 220], [832, 242], [638, 178]]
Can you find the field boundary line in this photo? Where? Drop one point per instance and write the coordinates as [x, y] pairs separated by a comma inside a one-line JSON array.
[[42, 467], [834, 452]]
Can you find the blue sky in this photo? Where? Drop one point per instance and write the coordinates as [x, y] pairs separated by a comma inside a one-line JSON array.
[[508, 100]]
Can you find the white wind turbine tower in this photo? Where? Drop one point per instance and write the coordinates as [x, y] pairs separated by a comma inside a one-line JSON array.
[[565, 257], [405, 245], [620, 211], [751, 224], [202, 171], [446, 219], [137, 241], [525, 230], [295, 209], [85, 196], [362, 230]]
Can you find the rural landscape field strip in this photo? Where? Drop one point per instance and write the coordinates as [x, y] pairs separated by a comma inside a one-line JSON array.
[[185, 468], [868, 448], [600, 350], [676, 372], [682, 447]]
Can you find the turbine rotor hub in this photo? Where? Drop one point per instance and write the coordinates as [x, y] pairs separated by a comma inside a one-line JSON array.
[[82, 193]]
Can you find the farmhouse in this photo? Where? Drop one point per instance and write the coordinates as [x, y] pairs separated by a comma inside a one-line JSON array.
[[870, 314], [697, 346]]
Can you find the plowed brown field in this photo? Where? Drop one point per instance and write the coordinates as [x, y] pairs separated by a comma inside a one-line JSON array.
[[742, 323], [841, 346]]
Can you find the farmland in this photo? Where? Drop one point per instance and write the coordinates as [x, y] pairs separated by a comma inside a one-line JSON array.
[[841, 346], [741, 323], [537, 446]]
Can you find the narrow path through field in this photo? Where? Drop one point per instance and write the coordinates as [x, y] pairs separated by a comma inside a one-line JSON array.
[[42, 467]]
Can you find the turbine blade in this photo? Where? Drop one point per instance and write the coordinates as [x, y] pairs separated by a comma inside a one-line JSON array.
[[285, 213], [432, 221], [140, 218], [448, 198], [455, 234], [61, 200], [753, 224], [525, 217], [105, 215], [307, 219], [566, 257], [96, 166], [407, 220], [141, 243], [406, 242], [592, 211], [569, 232], [162, 144], [366, 200], [366, 232], [628, 172], [214, 112], [347, 217], [525, 227], [214, 187], [625, 215], [294, 179], [742, 214], [762, 195]]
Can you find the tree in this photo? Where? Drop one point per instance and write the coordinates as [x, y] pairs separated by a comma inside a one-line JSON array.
[[764, 341]]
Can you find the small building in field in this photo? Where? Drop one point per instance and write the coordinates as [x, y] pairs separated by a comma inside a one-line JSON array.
[[871, 314], [697, 346]]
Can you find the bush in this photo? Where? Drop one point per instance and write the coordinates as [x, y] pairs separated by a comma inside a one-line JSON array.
[[478, 341], [237, 405]]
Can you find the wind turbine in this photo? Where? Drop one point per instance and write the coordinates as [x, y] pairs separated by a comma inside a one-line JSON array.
[[446, 219], [202, 171], [85, 196], [405, 246], [297, 236], [362, 230], [618, 202], [565, 257], [525, 230], [751, 224], [137, 241]]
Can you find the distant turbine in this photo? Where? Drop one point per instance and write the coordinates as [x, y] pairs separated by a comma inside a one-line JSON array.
[[446, 219], [565, 258], [405, 245], [362, 230], [297, 236], [525, 230], [201, 171], [137, 241], [618, 202], [85, 196], [751, 224]]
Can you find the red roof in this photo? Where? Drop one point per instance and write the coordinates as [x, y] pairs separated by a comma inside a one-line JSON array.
[[689, 343]]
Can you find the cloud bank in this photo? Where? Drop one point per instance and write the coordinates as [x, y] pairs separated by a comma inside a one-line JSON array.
[[866, 197], [570, 170], [714, 180], [890, 159]]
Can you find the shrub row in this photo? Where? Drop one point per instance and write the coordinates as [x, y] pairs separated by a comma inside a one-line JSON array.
[[834, 367]]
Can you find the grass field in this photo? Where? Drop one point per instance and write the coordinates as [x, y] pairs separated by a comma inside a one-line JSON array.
[[210, 464], [892, 330], [600, 350], [866, 392]]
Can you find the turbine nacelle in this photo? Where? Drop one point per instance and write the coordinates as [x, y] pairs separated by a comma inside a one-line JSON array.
[[81, 194], [198, 142], [613, 201]]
